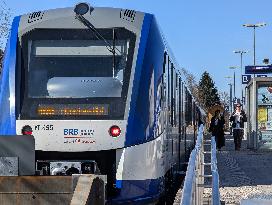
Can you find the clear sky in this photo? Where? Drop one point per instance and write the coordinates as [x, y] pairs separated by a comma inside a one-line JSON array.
[[201, 34]]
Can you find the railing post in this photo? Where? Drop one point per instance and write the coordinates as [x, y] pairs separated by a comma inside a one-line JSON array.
[[215, 175], [201, 178]]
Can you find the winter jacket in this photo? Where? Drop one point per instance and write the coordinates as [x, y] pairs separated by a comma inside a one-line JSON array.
[[242, 120]]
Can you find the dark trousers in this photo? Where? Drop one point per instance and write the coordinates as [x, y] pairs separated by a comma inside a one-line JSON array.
[[238, 135]]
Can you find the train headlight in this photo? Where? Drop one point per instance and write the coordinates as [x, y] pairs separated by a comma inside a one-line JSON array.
[[115, 131], [27, 130]]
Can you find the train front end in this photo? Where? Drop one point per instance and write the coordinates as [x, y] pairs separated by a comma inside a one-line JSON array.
[[69, 85]]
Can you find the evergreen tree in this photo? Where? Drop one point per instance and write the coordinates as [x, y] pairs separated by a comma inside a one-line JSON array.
[[208, 93]]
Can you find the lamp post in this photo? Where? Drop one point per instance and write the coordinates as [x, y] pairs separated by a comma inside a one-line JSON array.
[[234, 81], [254, 26], [241, 52], [231, 100]]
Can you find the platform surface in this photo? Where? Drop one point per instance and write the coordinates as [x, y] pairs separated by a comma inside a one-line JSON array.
[[245, 174]]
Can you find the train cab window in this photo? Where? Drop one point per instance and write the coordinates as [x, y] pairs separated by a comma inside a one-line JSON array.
[[74, 65], [75, 69]]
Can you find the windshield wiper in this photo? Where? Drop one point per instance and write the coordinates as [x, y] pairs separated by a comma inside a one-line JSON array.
[[91, 27]]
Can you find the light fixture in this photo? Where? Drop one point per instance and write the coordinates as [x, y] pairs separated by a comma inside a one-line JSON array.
[[83, 8]]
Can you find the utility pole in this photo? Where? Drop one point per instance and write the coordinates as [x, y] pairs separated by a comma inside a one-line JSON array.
[[254, 26], [234, 80], [241, 52], [231, 100]]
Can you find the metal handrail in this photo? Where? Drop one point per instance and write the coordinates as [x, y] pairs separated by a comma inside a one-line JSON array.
[[194, 180], [215, 175], [190, 194]]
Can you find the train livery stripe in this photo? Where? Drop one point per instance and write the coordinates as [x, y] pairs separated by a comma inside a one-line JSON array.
[[7, 92], [139, 65]]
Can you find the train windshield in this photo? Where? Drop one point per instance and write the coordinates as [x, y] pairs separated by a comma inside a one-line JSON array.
[[71, 69], [76, 68]]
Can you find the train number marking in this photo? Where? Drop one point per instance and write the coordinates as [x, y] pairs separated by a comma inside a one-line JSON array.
[[44, 127]]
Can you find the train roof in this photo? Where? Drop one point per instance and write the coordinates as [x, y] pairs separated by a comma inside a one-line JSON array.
[[101, 17]]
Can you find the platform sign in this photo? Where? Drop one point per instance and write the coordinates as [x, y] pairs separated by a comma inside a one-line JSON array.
[[261, 76], [246, 79], [258, 69]]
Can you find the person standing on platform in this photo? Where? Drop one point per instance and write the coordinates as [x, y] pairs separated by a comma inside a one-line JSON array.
[[238, 118], [217, 129]]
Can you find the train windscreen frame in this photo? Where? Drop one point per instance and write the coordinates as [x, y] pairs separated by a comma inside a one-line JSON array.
[[75, 50]]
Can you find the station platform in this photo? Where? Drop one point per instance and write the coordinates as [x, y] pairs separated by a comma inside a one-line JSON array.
[[244, 176]]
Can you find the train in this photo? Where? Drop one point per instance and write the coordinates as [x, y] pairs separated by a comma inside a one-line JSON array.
[[101, 92]]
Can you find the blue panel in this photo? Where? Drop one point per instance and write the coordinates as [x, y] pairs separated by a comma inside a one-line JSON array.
[[150, 58], [131, 132], [118, 184], [7, 83], [139, 191], [153, 62]]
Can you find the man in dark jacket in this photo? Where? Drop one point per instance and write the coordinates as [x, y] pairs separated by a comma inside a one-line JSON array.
[[238, 118], [217, 129]]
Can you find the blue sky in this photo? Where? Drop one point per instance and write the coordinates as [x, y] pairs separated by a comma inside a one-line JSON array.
[[201, 34]]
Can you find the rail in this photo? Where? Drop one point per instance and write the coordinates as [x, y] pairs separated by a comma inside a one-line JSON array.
[[194, 181]]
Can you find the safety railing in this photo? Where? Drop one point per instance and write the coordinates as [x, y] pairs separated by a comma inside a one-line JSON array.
[[215, 175], [191, 192], [194, 181]]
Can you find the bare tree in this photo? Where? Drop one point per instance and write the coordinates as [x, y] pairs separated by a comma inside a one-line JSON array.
[[191, 83], [5, 20], [224, 98]]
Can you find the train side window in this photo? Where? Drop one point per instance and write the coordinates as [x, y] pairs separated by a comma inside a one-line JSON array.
[[161, 93], [168, 91], [180, 106], [164, 62], [164, 75], [172, 96], [1, 64], [177, 99]]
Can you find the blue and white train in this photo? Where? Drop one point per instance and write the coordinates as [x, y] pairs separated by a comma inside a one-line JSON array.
[[99, 85]]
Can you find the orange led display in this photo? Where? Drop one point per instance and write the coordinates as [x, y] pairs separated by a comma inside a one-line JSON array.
[[73, 110]]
